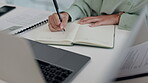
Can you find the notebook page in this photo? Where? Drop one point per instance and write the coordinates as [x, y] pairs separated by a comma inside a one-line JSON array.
[[99, 36], [43, 34]]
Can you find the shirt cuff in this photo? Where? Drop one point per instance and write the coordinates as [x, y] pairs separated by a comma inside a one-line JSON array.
[[74, 12], [127, 21]]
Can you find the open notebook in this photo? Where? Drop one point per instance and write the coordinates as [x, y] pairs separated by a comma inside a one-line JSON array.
[[101, 36]]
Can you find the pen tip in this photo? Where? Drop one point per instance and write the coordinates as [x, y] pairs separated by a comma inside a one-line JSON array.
[[63, 29]]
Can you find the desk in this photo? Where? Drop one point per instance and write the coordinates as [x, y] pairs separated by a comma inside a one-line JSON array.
[[101, 59], [101, 62]]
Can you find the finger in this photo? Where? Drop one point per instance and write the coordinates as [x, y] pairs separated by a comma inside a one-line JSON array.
[[105, 22], [51, 22], [51, 29], [57, 27], [86, 18], [49, 19], [97, 24], [64, 22], [93, 20], [56, 19], [90, 20]]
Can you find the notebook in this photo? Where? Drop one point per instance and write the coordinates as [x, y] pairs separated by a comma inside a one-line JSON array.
[[23, 19], [76, 34]]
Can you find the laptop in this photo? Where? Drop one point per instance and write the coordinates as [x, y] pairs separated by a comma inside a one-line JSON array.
[[26, 61], [133, 57]]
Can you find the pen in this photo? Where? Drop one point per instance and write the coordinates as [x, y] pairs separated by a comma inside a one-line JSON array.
[[57, 10]]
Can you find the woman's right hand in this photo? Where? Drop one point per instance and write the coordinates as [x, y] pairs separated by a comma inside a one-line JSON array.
[[54, 22]]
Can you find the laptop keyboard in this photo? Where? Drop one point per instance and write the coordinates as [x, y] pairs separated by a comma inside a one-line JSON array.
[[52, 73]]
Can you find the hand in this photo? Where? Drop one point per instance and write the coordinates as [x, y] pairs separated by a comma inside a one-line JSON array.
[[101, 20], [55, 24]]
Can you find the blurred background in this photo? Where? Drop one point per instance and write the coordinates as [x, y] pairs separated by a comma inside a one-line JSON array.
[[40, 4]]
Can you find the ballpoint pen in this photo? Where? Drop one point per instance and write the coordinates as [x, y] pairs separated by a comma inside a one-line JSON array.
[[57, 10]]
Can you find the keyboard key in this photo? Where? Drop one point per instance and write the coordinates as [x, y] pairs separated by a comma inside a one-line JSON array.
[[52, 73], [59, 78]]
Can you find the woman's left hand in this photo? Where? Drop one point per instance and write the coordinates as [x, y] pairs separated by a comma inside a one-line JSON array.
[[101, 20]]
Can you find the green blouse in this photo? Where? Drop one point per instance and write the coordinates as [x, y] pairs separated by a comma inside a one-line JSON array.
[[86, 8]]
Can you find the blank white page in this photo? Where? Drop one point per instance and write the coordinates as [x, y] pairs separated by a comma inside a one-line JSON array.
[[103, 35]]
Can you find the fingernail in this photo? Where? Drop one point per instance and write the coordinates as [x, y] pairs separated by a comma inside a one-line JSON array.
[[81, 22], [90, 25], [61, 26]]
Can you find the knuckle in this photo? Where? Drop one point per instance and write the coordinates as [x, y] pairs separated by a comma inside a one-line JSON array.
[[52, 29], [57, 23], [55, 14], [49, 16]]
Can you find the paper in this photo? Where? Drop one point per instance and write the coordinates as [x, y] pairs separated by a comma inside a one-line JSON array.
[[43, 33], [77, 34], [103, 35], [136, 61], [24, 17]]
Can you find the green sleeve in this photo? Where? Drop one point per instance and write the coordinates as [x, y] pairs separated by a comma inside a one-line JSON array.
[[127, 21], [79, 9]]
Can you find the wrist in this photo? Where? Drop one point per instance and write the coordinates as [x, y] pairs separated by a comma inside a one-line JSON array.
[[118, 17], [69, 17]]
